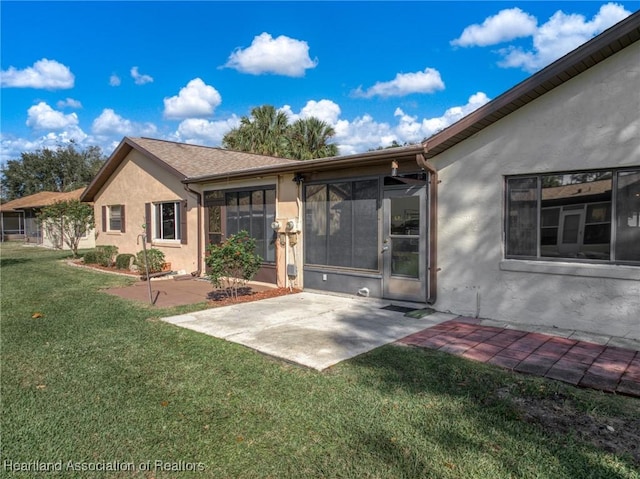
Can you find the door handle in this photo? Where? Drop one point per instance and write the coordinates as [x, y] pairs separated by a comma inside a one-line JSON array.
[[384, 248]]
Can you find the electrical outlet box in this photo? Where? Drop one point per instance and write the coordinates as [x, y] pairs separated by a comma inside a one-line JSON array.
[[292, 270]]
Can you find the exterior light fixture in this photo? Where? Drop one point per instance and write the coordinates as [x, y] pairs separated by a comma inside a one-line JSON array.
[[394, 168]]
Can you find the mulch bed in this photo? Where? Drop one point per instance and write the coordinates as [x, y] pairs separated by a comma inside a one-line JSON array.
[[245, 295]]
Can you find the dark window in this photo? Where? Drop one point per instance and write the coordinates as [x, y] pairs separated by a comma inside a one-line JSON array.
[[574, 215], [341, 224]]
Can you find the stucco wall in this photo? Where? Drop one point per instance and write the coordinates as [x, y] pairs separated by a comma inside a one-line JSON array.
[[139, 180], [591, 121]]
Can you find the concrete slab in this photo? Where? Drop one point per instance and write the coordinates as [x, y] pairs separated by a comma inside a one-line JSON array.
[[311, 329]]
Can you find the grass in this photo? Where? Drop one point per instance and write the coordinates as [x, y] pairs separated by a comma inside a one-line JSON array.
[[97, 380]]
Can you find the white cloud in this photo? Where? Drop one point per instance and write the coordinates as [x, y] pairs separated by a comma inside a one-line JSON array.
[[195, 100], [110, 123], [138, 78], [325, 110], [199, 131], [47, 74], [280, 56], [411, 130], [114, 80], [561, 34], [11, 147], [43, 117], [506, 25], [364, 133], [69, 103], [403, 84]]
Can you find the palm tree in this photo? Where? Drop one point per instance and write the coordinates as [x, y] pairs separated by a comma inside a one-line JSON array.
[[309, 138], [263, 133], [268, 132]]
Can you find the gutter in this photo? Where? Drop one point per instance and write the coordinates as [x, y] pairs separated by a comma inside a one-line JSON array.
[[432, 294], [198, 195], [318, 164]]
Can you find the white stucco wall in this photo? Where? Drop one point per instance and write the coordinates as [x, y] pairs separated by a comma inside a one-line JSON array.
[[592, 121]]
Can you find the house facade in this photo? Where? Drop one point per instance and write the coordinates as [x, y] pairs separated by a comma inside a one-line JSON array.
[[141, 195], [19, 220], [527, 210]]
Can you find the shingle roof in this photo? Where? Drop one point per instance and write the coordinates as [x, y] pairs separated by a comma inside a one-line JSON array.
[[195, 160], [38, 200], [183, 160]]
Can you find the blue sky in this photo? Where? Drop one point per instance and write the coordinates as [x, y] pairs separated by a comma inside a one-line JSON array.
[[94, 72]]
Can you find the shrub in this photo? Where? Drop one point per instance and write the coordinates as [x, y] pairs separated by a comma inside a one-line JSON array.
[[91, 257], [124, 260], [155, 260], [106, 254], [233, 262]]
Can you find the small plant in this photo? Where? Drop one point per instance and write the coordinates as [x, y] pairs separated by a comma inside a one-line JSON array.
[[124, 260], [155, 260], [233, 263], [106, 254]]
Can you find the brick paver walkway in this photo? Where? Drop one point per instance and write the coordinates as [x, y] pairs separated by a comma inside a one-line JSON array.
[[580, 363]]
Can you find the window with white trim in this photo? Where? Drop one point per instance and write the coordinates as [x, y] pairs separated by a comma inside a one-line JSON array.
[[590, 216], [167, 220], [115, 217]]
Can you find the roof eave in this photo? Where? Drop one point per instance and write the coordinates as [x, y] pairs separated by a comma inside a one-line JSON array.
[[334, 162]]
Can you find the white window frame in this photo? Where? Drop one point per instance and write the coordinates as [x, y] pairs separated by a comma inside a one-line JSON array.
[[158, 230], [111, 216]]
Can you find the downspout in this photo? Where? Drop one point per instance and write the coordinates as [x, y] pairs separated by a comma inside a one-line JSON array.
[[423, 163], [198, 195]]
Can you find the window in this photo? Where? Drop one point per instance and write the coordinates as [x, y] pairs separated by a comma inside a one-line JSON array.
[[341, 224], [113, 218], [253, 211], [590, 215], [167, 220]]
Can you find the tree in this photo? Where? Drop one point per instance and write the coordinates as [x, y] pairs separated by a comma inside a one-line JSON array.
[[268, 132], [309, 138], [66, 222], [63, 169]]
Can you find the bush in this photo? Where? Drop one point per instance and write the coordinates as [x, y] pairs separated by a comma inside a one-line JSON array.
[[155, 260], [124, 260], [91, 257], [106, 254], [233, 262]]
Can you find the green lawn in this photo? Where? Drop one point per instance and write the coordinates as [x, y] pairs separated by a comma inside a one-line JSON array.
[[100, 382]]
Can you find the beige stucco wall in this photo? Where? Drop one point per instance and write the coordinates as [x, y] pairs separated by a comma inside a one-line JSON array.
[[592, 121], [139, 180]]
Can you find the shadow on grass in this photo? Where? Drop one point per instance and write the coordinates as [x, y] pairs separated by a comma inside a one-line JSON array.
[[12, 261], [482, 425]]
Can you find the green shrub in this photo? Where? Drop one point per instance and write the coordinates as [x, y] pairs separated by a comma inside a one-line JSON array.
[[124, 260], [106, 254], [233, 262], [91, 257], [155, 260]]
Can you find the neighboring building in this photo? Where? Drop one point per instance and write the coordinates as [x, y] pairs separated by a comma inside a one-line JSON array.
[[526, 210], [18, 219]]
